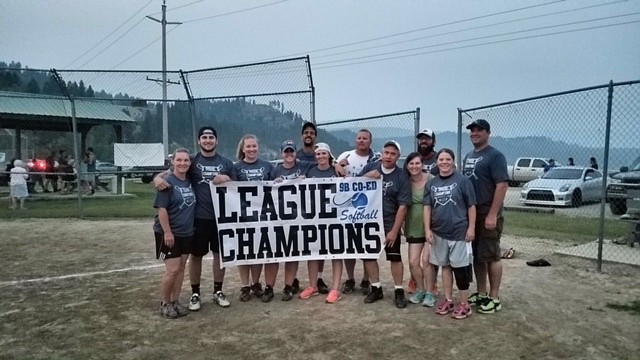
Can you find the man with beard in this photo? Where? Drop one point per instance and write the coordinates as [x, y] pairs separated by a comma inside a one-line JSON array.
[[307, 152], [354, 161], [206, 166], [426, 148]]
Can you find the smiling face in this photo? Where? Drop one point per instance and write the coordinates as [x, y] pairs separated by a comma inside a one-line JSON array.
[[288, 157], [207, 144], [479, 137], [390, 156], [425, 144], [308, 136], [445, 163], [322, 157], [250, 149], [363, 142], [181, 163], [414, 167]]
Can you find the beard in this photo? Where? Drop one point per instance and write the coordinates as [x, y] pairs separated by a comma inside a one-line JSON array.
[[425, 149]]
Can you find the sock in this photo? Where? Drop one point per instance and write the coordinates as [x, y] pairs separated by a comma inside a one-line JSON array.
[[320, 275], [399, 287], [377, 284], [217, 286], [195, 289]]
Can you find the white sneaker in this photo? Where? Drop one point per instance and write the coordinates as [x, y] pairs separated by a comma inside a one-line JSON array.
[[220, 299], [194, 302]]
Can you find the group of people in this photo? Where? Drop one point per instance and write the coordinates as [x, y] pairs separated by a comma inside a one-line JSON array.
[[593, 163], [445, 215]]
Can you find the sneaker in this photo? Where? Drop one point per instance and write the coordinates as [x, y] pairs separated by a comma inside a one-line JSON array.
[[461, 312], [168, 311], [287, 293], [268, 294], [412, 287], [374, 295], [295, 286], [245, 293], [348, 286], [400, 300], [429, 300], [476, 299], [308, 292], [256, 289], [445, 307], [418, 297], [489, 306], [365, 287], [333, 297], [180, 309], [322, 287], [220, 299], [194, 302]]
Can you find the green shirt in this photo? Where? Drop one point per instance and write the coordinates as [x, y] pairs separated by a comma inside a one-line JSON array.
[[414, 222]]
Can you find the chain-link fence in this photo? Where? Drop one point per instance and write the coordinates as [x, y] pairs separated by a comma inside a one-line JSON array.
[[401, 127], [52, 117], [574, 167]]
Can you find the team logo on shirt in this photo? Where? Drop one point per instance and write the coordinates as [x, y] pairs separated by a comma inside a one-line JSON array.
[[253, 174], [209, 171], [188, 197], [427, 167], [442, 194], [292, 176], [385, 186], [470, 167]]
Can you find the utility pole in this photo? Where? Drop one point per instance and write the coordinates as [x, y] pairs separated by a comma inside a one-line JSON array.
[[165, 115]]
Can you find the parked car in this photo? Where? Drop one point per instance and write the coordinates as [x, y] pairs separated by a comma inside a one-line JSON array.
[[617, 192], [563, 186], [526, 169], [105, 167]]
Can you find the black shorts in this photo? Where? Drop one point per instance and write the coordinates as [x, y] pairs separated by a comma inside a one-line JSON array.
[[205, 237], [181, 246], [486, 246], [418, 240], [393, 252]]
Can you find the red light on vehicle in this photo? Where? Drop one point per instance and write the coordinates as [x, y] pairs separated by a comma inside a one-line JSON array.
[[42, 164]]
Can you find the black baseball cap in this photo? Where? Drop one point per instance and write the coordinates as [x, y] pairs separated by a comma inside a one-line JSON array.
[[481, 123], [207, 130], [311, 125], [288, 144]]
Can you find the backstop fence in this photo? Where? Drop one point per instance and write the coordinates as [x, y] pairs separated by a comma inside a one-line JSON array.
[[574, 162]]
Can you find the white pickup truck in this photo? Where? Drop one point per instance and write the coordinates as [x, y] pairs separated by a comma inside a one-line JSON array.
[[526, 169]]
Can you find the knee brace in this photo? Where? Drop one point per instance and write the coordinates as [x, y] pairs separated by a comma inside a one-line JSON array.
[[462, 278]]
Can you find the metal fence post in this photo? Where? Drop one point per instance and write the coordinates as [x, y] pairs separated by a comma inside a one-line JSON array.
[[459, 149], [416, 123], [605, 169], [74, 124]]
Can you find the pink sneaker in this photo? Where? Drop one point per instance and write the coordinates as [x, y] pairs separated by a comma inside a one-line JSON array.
[[333, 297], [445, 307], [461, 312], [308, 292]]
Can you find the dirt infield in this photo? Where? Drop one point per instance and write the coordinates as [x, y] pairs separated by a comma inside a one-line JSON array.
[[72, 289]]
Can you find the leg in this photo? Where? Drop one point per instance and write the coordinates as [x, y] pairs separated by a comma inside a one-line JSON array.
[[373, 270], [218, 270], [397, 272], [350, 267], [243, 271], [336, 269], [270, 273], [256, 270], [312, 268], [290, 270], [22, 203], [195, 269], [415, 251], [177, 284], [480, 269], [172, 269], [447, 282], [495, 278]]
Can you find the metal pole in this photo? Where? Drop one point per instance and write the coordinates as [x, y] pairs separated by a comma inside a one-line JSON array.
[[313, 91], [459, 148], [76, 154], [605, 170], [416, 125]]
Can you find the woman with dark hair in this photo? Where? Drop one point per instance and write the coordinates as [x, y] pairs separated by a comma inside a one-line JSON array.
[[449, 221], [414, 232], [593, 163], [173, 230]]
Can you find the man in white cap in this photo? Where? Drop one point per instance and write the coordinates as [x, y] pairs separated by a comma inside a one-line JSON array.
[[396, 196], [426, 147]]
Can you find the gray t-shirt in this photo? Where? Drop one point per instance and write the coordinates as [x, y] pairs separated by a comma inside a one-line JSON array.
[[203, 169], [310, 157], [396, 191], [449, 198], [429, 163], [485, 169], [315, 172], [298, 169], [180, 202], [255, 171]]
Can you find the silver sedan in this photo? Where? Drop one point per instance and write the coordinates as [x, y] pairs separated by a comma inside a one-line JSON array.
[[563, 186]]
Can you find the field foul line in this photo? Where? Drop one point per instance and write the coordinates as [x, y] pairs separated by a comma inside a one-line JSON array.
[[71, 276]]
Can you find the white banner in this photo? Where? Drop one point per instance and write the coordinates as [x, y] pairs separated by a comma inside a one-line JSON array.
[[299, 220], [138, 154]]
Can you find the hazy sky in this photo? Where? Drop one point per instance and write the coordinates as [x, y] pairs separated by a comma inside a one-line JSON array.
[[54, 34]]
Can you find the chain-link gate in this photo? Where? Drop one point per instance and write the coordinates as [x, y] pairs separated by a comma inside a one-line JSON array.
[[573, 162]]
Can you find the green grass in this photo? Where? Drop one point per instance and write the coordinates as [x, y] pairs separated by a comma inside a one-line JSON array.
[[139, 205], [560, 227], [633, 307]]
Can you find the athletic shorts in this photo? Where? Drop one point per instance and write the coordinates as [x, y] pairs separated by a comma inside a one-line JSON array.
[[486, 246], [205, 237], [393, 252], [446, 252], [418, 240], [181, 246]]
